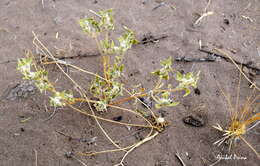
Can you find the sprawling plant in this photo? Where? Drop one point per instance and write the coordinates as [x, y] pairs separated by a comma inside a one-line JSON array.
[[106, 88]]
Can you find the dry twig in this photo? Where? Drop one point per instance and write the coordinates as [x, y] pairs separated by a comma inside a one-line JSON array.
[[177, 154], [215, 162], [43, 4], [206, 8], [36, 157], [202, 16]]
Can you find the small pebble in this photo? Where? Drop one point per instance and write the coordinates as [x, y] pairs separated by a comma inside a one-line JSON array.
[[16, 134], [197, 91], [226, 21], [118, 118], [68, 154], [161, 163], [194, 120]]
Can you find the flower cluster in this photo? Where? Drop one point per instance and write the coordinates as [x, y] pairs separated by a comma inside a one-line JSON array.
[[164, 100], [94, 27], [163, 73], [105, 91], [186, 81], [61, 99], [125, 41], [107, 19], [40, 77]]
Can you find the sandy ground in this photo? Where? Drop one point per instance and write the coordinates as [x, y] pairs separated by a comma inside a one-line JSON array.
[[234, 26]]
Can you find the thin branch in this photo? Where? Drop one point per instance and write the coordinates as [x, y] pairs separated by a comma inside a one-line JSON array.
[[257, 123], [206, 8], [43, 4], [236, 64], [250, 146], [179, 158], [36, 157], [137, 145], [202, 16], [215, 162]]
